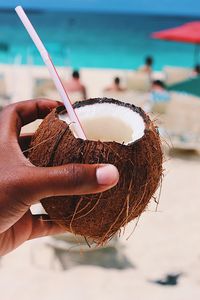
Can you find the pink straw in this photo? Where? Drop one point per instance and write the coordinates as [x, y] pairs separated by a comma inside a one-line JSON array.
[[52, 70]]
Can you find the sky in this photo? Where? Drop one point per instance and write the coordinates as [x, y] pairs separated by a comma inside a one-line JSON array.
[[175, 7]]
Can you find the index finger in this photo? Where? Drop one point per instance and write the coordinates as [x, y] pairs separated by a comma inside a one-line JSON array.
[[14, 116]]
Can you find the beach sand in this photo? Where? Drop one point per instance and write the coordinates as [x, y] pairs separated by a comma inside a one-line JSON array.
[[20, 79], [164, 242]]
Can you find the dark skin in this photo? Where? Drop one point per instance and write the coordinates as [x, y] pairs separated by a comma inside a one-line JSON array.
[[22, 184]]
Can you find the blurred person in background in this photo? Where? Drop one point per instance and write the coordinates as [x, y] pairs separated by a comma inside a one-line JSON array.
[[158, 91], [196, 71], [75, 85], [116, 86], [157, 95], [148, 65]]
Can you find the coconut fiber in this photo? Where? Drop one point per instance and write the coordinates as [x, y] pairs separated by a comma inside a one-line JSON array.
[[99, 216]]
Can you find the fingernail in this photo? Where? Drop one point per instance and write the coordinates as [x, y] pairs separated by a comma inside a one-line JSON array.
[[107, 175]]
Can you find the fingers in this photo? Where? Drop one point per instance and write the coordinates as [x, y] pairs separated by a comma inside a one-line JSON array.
[[14, 116], [43, 226], [34, 184], [72, 179]]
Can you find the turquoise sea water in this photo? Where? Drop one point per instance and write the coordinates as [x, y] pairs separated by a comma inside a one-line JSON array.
[[93, 40]]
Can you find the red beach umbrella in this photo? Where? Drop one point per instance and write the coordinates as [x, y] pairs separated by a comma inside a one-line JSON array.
[[187, 33]]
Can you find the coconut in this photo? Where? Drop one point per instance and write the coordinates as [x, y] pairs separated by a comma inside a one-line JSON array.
[[117, 133]]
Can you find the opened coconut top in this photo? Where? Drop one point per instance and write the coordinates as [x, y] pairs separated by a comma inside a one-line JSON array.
[[108, 120]]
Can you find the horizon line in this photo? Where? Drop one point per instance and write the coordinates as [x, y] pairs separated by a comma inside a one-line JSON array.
[[102, 11]]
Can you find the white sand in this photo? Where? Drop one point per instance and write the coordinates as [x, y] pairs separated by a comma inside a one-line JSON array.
[[20, 80], [164, 242]]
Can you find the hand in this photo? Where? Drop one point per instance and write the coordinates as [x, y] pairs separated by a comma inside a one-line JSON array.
[[22, 184]]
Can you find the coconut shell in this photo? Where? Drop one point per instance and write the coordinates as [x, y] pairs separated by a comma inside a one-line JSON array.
[[99, 216]]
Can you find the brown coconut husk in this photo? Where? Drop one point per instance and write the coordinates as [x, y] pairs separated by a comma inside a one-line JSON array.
[[100, 216]]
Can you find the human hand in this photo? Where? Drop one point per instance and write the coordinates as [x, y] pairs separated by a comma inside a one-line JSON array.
[[22, 184]]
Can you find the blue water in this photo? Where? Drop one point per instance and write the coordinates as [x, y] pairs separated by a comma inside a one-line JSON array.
[[93, 40]]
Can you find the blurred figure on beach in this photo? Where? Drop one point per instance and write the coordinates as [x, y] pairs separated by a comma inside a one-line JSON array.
[[158, 92], [115, 86], [157, 96], [148, 65], [196, 71], [74, 85]]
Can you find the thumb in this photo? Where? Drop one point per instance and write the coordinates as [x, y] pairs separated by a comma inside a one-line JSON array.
[[71, 179]]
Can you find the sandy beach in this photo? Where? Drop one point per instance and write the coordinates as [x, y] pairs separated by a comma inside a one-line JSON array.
[[164, 242], [94, 79], [113, 46]]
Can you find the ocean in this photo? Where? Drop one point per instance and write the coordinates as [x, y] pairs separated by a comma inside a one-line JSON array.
[[93, 40]]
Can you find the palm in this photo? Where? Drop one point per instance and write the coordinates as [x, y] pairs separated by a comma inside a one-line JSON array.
[[17, 224]]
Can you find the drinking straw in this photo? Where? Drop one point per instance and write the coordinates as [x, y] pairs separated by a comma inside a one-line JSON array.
[[52, 70]]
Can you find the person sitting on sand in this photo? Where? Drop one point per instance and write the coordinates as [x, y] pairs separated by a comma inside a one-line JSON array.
[[148, 66], [23, 184], [158, 94], [115, 87], [74, 85]]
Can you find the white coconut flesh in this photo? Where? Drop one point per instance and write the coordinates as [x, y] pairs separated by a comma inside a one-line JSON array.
[[108, 122]]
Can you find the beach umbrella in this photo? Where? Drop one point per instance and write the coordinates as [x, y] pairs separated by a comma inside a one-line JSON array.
[[186, 33]]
